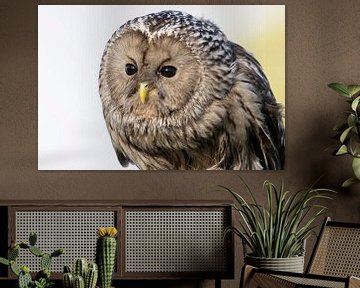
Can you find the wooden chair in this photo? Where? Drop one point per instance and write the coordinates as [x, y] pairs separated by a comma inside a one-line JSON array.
[[335, 262]]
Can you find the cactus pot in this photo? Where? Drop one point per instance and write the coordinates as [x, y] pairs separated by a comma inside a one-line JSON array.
[[291, 264]]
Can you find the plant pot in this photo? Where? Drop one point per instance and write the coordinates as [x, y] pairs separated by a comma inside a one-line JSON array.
[[291, 264]]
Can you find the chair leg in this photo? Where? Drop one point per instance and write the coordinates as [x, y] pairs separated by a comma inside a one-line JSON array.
[[246, 273], [217, 283], [250, 278]]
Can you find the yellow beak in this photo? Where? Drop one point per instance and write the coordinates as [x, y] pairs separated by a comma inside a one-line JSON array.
[[143, 91]]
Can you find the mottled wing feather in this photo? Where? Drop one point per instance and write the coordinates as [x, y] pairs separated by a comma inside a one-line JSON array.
[[267, 138], [124, 161]]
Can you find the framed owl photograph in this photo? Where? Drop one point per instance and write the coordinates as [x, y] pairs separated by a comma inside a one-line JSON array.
[[145, 87]]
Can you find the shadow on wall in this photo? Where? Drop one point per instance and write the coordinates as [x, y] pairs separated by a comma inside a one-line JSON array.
[[331, 171]]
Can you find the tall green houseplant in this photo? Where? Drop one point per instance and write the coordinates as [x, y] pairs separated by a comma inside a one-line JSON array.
[[348, 132], [279, 228]]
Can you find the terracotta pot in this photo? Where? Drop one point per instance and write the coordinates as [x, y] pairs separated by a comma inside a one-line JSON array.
[[291, 264]]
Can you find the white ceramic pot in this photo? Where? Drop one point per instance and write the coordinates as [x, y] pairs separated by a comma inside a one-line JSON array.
[[291, 264]]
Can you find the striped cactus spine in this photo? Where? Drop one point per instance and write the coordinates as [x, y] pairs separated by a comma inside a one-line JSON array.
[[80, 268], [79, 282], [91, 276], [68, 280], [106, 254]]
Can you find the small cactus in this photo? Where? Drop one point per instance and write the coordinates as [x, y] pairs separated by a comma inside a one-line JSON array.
[[57, 252], [79, 282], [13, 253], [81, 265], [14, 268], [44, 273], [67, 269], [32, 238], [68, 280], [24, 278], [106, 254], [36, 251], [25, 269], [45, 261], [91, 276], [83, 274]]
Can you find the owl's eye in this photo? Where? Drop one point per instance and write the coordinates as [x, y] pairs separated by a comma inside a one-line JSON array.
[[130, 69], [168, 71]]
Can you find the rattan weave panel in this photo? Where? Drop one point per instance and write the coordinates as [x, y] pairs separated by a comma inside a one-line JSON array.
[[338, 253], [75, 231], [303, 282], [268, 281], [175, 241]]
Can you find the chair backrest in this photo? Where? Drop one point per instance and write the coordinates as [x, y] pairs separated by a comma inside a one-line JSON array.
[[337, 251]]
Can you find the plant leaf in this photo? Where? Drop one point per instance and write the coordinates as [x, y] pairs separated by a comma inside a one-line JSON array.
[[340, 88], [351, 120], [345, 134], [279, 228], [14, 268], [356, 167], [353, 89], [354, 145], [349, 182], [342, 150], [4, 261], [355, 103]]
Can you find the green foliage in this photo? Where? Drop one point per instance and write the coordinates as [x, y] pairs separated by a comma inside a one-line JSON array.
[[68, 280], [13, 253], [4, 261], [91, 276], [42, 283], [24, 280], [67, 269], [348, 132], [45, 261], [32, 238], [280, 229], [44, 273], [81, 266], [14, 268], [106, 254], [57, 252], [42, 278], [85, 275], [36, 251], [79, 282]]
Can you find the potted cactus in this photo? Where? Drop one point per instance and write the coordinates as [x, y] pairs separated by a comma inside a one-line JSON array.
[[42, 278], [106, 254], [84, 275]]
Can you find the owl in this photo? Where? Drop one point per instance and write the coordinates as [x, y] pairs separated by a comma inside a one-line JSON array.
[[177, 94]]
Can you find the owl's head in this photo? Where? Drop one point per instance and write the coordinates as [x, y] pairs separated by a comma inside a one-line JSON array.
[[166, 67]]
